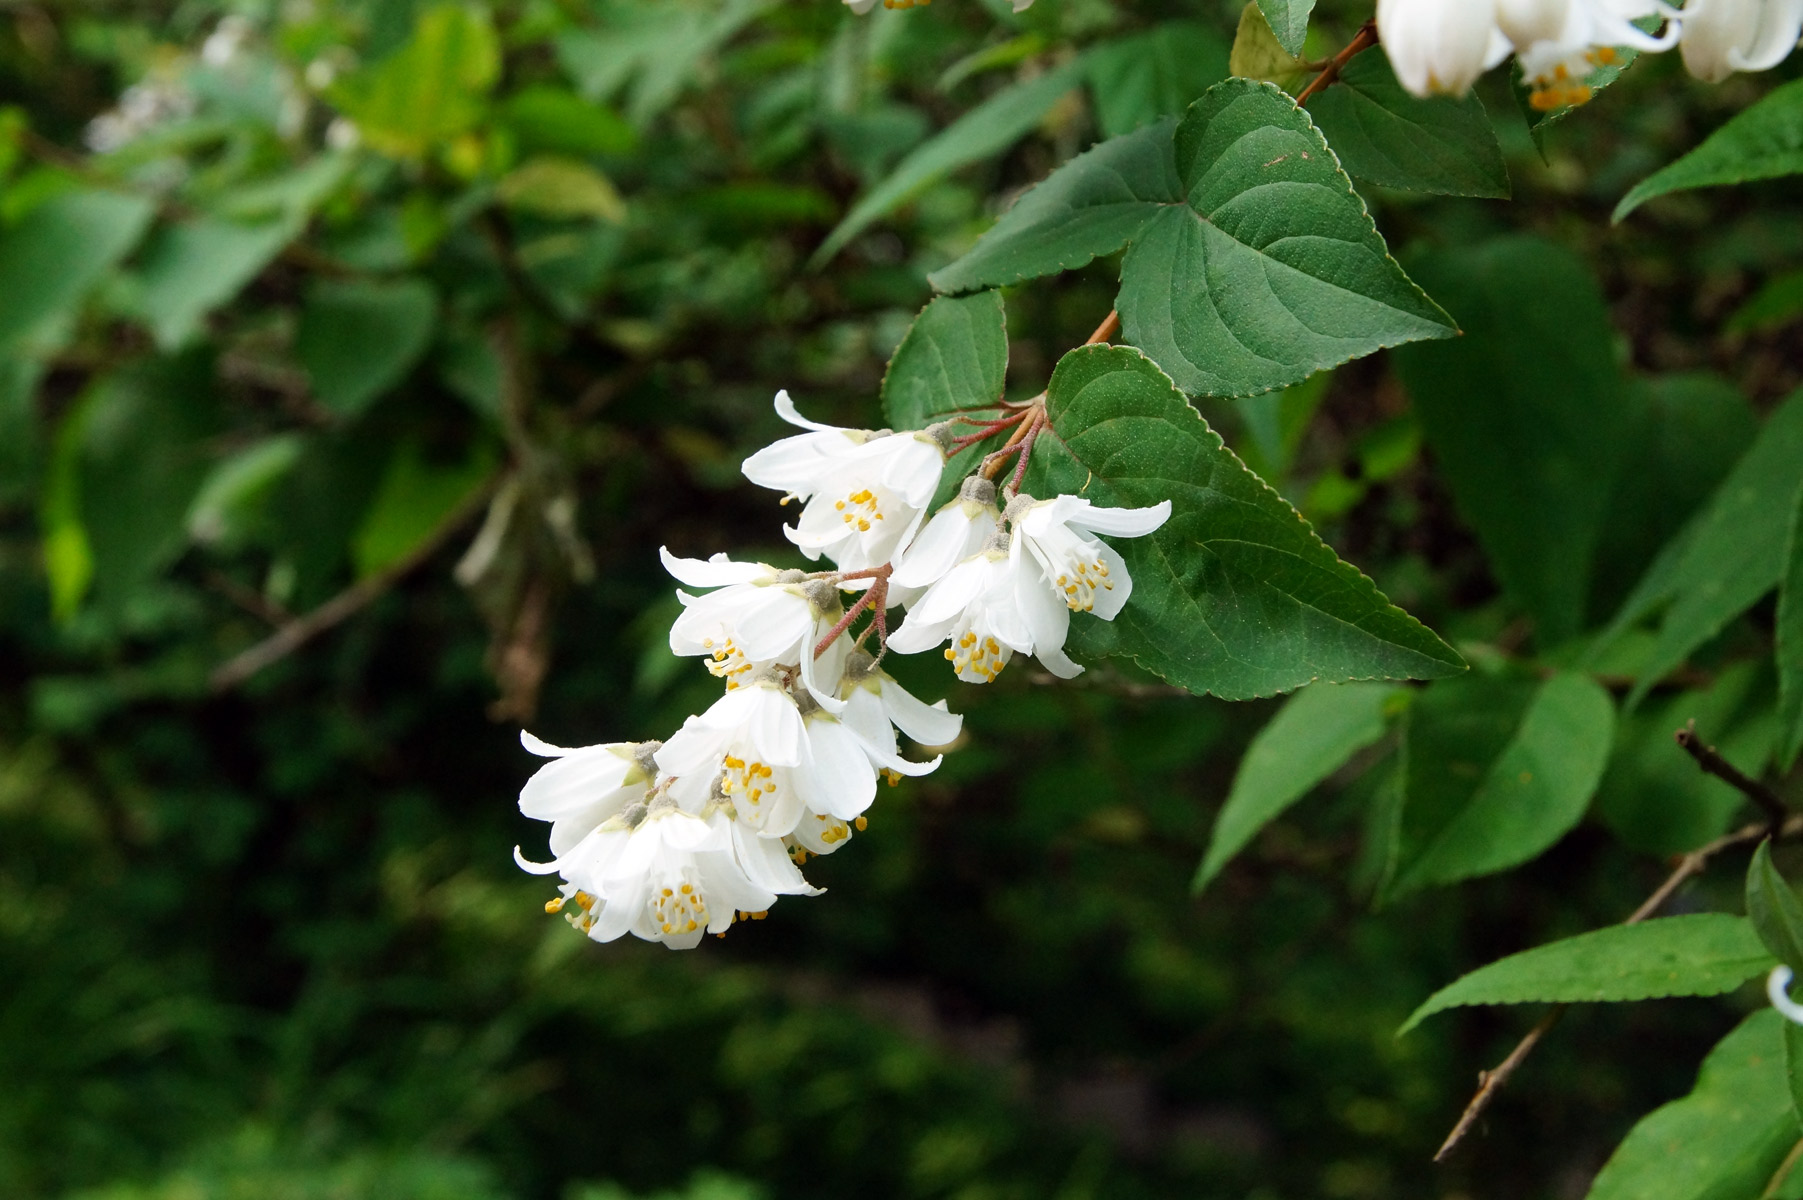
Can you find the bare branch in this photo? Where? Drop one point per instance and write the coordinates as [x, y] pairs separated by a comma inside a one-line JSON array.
[[1714, 764], [1363, 40]]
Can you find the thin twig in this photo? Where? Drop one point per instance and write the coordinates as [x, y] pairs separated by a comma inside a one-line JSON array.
[[1490, 1082], [1714, 764], [1111, 325], [992, 464], [1783, 1171], [1363, 40], [301, 630]]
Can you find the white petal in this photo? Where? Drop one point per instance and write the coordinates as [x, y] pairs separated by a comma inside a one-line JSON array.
[[927, 724], [543, 748], [946, 541], [954, 592], [843, 782], [1108, 602], [1049, 619], [776, 728], [915, 635], [785, 408], [714, 572], [1123, 522], [772, 624], [767, 865], [526, 864]]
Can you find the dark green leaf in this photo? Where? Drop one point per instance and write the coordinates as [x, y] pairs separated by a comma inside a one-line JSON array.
[[1764, 142], [985, 130], [1312, 736], [1527, 415], [357, 339], [1497, 772], [1776, 304], [54, 255], [1790, 645], [1087, 208], [414, 497], [1138, 79], [1793, 1065], [652, 51], [550, 120], [954, 356], [1235, 595], [190, 268], [1774, 910], [1730, 554], [1288, 20], [1725, 1139], [1391, 138], [1704, 954]]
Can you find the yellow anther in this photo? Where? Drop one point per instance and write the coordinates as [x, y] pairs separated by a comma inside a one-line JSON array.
[[556, 905], [862, 824]]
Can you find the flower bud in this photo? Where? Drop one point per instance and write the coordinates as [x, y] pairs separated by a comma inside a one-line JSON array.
[[1436, 46], [1721, 37]]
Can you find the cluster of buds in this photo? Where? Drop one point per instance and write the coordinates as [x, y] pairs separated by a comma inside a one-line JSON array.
[[1442, 46], [673, 840]]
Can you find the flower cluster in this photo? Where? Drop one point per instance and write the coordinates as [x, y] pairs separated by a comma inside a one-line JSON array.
[[1442, 46], [672, 840]]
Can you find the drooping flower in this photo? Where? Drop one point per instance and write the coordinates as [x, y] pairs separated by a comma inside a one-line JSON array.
[[585, 786], [758, 615], [864, 491], [748, 749], [1440, 47], [1559, 43], [668, 876], [1721, 37], [977, 606], [956, 532]]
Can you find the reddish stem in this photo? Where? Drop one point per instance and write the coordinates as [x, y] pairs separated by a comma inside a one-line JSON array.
[[877, 593]]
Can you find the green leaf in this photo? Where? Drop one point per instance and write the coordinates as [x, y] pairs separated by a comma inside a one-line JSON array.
[[984, 131], [1138, 79], [357, 339], [1540, 122], [146, 449], [1793, 1066], [1391, 138], [1288, 19], [1725, 1139], [1729, 555], [1498, 770], [1258, 54], [54, 255], [415, 496], [429, 90], [1312, 736], [1774, 910], [1703, 954], [552, 120], [1235, 595], [954, 356], [549, 186], [1764, 142], [1790, 645], [68, 559], [653, 51], [1527, 414], [1252, 262], [1776, 304], [235, 490], [192, 267]]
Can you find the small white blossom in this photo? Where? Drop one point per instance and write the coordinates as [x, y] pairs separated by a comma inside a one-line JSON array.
[[1440, 47], [864, 490], [759, 615], [977, 606], [751, 750], [583, 787], [1560, 42], [1721, 37], [1075, 571], [956, 532]]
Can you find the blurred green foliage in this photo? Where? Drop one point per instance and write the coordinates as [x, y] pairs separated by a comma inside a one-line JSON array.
[[450, 314]]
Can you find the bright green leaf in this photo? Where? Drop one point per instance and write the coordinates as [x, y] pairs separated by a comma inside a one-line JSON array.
[[1288, 19], [549, 186], [1252, 263], [357, 338], [235, 489], [1391, 138], [55, 254], [1312, 736], [1138, 79], [954, 356], [1703, 954], [984, 131], [1725, 1139], [429, 90], [1492, 781], [415, 496], [1527, 414], [1764, 142], [1790, 645], [551, 120], [1774, 910], [1235, 595], [68, 559], [1259, 54], [1730, 554]]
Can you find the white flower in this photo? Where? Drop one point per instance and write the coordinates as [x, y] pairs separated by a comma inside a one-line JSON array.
[[977, 605], [1439, 46], [1075, 572], [759, 615], [1560, 42], [585, 786], [865, 491], [1721, 37], [956, 532], [749, 749], [669, 876]]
